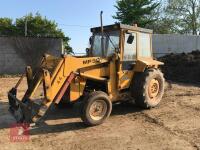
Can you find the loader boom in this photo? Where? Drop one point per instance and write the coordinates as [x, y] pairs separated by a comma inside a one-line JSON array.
[[56, 82]]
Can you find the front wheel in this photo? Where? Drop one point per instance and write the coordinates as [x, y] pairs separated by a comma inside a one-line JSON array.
[[96, 108], [148, 88]]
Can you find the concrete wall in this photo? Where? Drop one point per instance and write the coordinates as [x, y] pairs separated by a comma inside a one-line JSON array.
[[18, 52], [167, 43]]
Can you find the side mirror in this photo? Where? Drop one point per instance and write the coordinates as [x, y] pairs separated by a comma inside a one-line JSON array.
[[130, 39]]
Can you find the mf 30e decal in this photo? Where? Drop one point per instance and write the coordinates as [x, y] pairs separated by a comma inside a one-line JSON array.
[[93, 60]]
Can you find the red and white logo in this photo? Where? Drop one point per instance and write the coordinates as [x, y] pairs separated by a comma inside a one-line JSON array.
[[19, 132]]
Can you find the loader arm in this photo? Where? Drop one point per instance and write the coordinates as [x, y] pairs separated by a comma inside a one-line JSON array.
[[55, 74]]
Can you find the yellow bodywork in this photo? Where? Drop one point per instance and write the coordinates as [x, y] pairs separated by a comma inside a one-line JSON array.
[[93, 68], [68, 64]]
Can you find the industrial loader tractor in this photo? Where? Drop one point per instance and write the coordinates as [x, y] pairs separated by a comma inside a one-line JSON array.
[[118, 64]]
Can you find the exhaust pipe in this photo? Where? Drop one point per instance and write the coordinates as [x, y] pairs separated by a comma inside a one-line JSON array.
[[102, 34]]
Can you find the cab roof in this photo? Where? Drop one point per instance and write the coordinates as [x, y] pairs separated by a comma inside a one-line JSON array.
[[118, 26]]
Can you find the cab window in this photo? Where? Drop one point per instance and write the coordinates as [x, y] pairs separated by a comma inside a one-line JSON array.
[[144, 45]]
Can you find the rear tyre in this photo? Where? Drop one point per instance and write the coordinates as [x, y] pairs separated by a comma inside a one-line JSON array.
[[148, 88], [96, 108]]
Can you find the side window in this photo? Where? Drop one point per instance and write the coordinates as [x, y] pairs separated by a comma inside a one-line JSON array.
[[129, 51], [145, 45]]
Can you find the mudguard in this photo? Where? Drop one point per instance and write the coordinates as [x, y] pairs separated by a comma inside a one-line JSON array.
[[143, 63]]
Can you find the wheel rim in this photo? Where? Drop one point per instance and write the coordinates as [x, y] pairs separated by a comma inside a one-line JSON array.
[[98, 110], [153, 88]]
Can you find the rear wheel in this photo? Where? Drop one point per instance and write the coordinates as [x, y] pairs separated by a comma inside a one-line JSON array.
[[96, 108], [148, 88]]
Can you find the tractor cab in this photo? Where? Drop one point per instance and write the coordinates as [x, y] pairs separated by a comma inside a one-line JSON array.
[[130, 43]]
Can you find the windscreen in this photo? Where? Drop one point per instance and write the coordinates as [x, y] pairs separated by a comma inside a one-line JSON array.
[[110, 40]]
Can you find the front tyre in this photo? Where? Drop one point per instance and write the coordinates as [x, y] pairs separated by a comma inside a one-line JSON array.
[[148, 88], [96, 108]]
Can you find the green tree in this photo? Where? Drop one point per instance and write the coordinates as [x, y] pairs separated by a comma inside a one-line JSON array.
[[162, 24], [37, 26], [6, 26], [135, 11], [185, 14]]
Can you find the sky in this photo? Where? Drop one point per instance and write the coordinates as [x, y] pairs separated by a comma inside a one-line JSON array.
[[74, 17]]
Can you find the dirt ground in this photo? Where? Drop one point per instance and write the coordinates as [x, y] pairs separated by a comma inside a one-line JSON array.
[[174, 125]]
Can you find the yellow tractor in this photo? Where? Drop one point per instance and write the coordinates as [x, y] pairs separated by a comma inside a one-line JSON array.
[[119, 63]]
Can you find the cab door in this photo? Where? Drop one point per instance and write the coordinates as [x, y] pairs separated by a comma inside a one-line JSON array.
[[128, 59]]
